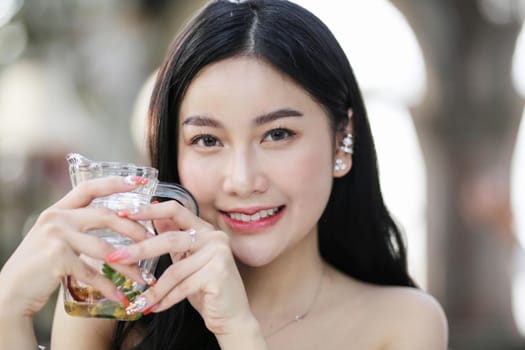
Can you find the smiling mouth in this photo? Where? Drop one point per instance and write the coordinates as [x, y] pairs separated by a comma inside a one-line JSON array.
[[261, 214]]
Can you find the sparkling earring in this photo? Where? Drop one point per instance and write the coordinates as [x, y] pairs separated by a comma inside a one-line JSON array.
[[347, 144], [339, 165]]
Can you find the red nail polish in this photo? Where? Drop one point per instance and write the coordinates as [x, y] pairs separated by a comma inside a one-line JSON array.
[[149, 310], [123, 298], [123, 213], [132, 180], [117, 255]]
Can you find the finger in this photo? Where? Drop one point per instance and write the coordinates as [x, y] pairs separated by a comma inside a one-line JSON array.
[[85, 273], [170, 281], [97, 248], [135, 273], [89, 245], [173, 210], [168, 242], [163, 225], [186, 288], [87, 219], [92, 247], [85, 192]]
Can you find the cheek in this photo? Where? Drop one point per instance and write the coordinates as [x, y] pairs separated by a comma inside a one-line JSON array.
[[198, 178], [311, 167], [310, 179]]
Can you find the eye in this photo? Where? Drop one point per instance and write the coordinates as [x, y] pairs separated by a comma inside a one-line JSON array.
[[278, 134], [205, 141]]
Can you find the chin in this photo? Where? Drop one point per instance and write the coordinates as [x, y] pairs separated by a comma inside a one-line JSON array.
[[253, 257]]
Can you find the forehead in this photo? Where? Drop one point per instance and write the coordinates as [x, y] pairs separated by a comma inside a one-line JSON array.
[[243, 85], [225, 72]]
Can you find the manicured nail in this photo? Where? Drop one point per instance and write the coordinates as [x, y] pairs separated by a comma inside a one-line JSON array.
[[117, 255], [135, 180], [148, 277], [123, 213], [123, 298], [131, 180], [139, 304], [150, 309]]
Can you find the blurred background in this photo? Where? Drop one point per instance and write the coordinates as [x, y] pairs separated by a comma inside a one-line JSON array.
[[443, 80]]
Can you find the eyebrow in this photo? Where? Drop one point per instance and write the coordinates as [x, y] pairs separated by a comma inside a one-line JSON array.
[[201, 120], [280, 113]]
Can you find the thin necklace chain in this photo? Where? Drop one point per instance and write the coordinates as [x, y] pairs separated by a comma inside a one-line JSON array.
[[302, 315]]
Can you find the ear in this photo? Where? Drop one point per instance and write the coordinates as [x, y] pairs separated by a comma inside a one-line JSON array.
[[344, 148]]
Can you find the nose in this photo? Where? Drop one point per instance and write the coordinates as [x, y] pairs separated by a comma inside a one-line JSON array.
[[243, 174]]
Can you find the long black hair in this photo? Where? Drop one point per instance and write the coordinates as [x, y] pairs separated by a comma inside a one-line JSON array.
[[357, 235]]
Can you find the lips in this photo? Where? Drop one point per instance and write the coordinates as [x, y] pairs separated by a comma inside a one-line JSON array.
[[261, 214], [251, 221]]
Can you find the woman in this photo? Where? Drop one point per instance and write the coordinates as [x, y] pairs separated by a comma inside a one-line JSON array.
[[256, 111]]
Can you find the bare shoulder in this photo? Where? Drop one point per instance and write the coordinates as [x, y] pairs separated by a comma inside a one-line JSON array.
[[394, 317], [415, 319]]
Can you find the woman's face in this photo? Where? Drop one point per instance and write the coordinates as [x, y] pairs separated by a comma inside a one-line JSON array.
[[256, 151]]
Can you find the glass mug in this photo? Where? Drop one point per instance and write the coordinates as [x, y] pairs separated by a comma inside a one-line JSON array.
[[83, 300]]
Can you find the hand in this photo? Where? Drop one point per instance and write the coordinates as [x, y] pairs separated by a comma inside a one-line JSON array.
[[203, 269], [52, 247]]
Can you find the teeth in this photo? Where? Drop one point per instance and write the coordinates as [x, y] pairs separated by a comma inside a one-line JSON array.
[[254, 217]]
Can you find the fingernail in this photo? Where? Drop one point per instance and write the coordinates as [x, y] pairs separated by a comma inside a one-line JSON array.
[[135, 180], [123, 213], [117, 255], [123, 298], [155, 202], [138, 305], [131, 180], [148, 277], [150, 234], [150, 309]]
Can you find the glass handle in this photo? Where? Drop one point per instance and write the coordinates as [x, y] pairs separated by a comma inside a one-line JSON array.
[[171, 191]]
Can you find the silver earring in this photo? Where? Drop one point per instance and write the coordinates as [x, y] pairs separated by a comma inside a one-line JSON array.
[[339, 165], [347, 144]]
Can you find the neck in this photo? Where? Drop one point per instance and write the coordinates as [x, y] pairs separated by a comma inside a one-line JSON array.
[[286, 287]]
